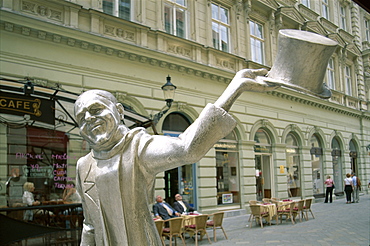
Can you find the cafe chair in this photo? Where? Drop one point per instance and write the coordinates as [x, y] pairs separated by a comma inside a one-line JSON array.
[[307, 207], [200, 226], [258, 213], [298, 210], [252, 202], [216, 223], [159, 224], [266, 200], [287, 210], [175, 229]]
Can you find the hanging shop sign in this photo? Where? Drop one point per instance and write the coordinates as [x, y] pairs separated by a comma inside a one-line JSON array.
[[39, 109]]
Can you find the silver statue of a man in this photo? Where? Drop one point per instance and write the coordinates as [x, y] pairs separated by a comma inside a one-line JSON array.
[[116, 179]]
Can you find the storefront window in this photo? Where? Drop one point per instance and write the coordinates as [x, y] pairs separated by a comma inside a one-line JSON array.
[[293, 166], [353, 156], [262, 151], [337, 165], [40, 156], [227, 165], [316, 166]]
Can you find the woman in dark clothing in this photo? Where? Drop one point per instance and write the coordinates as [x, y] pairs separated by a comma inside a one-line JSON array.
[[348, 187]]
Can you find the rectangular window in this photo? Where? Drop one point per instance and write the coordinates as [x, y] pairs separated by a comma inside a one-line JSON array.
[[175, 17], [367, 30], [330, 74], [257, 42], [306, 3], [325, 8], [118, 8], [220, 28], [342, 18], [348, 81]]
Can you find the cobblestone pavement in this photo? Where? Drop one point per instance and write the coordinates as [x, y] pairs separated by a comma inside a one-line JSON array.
[[335, 223]]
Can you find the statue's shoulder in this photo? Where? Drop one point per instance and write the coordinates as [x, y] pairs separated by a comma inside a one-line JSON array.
[[85, 161]]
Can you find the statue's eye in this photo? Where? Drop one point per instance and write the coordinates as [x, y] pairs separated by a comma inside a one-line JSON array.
[[95, 111]]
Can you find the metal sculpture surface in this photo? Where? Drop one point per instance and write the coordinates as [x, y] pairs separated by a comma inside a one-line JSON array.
[[116, 179], [301, 62]]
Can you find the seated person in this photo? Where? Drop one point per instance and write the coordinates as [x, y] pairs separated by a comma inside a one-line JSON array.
[[163, 210], [182, 206], [28, 199], [70, 194]]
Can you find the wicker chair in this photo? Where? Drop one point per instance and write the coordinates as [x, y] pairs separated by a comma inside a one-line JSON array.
[[159, 224], [216, 223], [175, 229], [298, 210], [199, 226], [258, 213], [307, 207], [286, 210]]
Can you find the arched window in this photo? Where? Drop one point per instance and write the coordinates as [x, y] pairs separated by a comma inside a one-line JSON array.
[[353, 155], [181, 179], [336, 154], [227, 165], [262, 151], [316, 165], [293, 166]]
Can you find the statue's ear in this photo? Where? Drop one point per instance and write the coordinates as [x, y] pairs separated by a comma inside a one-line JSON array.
[[121, 111]]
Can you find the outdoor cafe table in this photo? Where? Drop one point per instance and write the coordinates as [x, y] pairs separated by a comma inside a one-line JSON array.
[[271, 209]]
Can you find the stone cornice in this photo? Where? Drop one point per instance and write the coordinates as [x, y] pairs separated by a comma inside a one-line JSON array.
[[319, 103]]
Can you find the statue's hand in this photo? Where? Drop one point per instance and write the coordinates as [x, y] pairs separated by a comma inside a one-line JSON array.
[[248, 80]]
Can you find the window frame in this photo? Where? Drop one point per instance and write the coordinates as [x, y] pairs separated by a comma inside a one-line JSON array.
[[221, 24], [261, 40], [325, 9], [173, 6], [348, 80], [330, 74], [115, 11], [367, 29], [342, 17], [306, 3]]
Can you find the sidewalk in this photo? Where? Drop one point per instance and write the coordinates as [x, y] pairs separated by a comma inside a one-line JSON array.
[[335, 223]]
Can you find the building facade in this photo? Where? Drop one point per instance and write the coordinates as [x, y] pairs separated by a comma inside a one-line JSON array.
[[286, 142]]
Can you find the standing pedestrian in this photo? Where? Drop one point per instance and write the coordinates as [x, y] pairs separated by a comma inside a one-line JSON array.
[[356, 188], [329, 189], [348, 187]]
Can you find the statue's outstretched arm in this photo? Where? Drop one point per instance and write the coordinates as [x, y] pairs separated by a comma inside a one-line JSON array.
[[244, 80]]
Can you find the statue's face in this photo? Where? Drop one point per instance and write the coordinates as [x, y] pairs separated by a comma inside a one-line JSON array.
[[98, 119]]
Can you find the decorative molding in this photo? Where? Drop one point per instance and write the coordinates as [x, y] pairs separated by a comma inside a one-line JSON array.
[[41, 11]]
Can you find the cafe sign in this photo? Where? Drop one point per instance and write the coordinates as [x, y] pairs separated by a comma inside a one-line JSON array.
[[39, 109]]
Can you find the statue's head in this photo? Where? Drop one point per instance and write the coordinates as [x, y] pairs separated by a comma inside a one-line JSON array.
[[99, 117]]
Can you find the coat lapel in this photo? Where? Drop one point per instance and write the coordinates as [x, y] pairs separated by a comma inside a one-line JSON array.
[[89, 183]]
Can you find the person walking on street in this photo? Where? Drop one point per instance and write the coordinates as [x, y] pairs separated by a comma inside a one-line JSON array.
[[329, 189], [348, 187], [356, 188]]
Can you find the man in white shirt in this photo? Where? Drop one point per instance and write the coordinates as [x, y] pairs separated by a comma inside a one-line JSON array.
[[181, 206]]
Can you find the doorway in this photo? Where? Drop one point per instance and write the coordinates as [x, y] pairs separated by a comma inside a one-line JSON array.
[[180, 180], [263, 176]]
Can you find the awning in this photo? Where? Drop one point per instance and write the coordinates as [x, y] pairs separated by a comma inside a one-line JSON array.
[[64, 103]]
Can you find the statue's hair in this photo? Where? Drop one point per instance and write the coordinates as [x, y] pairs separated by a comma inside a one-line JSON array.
[[105, 94]]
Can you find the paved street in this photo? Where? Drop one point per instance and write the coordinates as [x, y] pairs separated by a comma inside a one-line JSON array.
[[335, 223]]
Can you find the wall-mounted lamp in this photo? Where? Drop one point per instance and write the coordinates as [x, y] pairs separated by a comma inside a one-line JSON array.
[[28, 87], [168, 93]]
